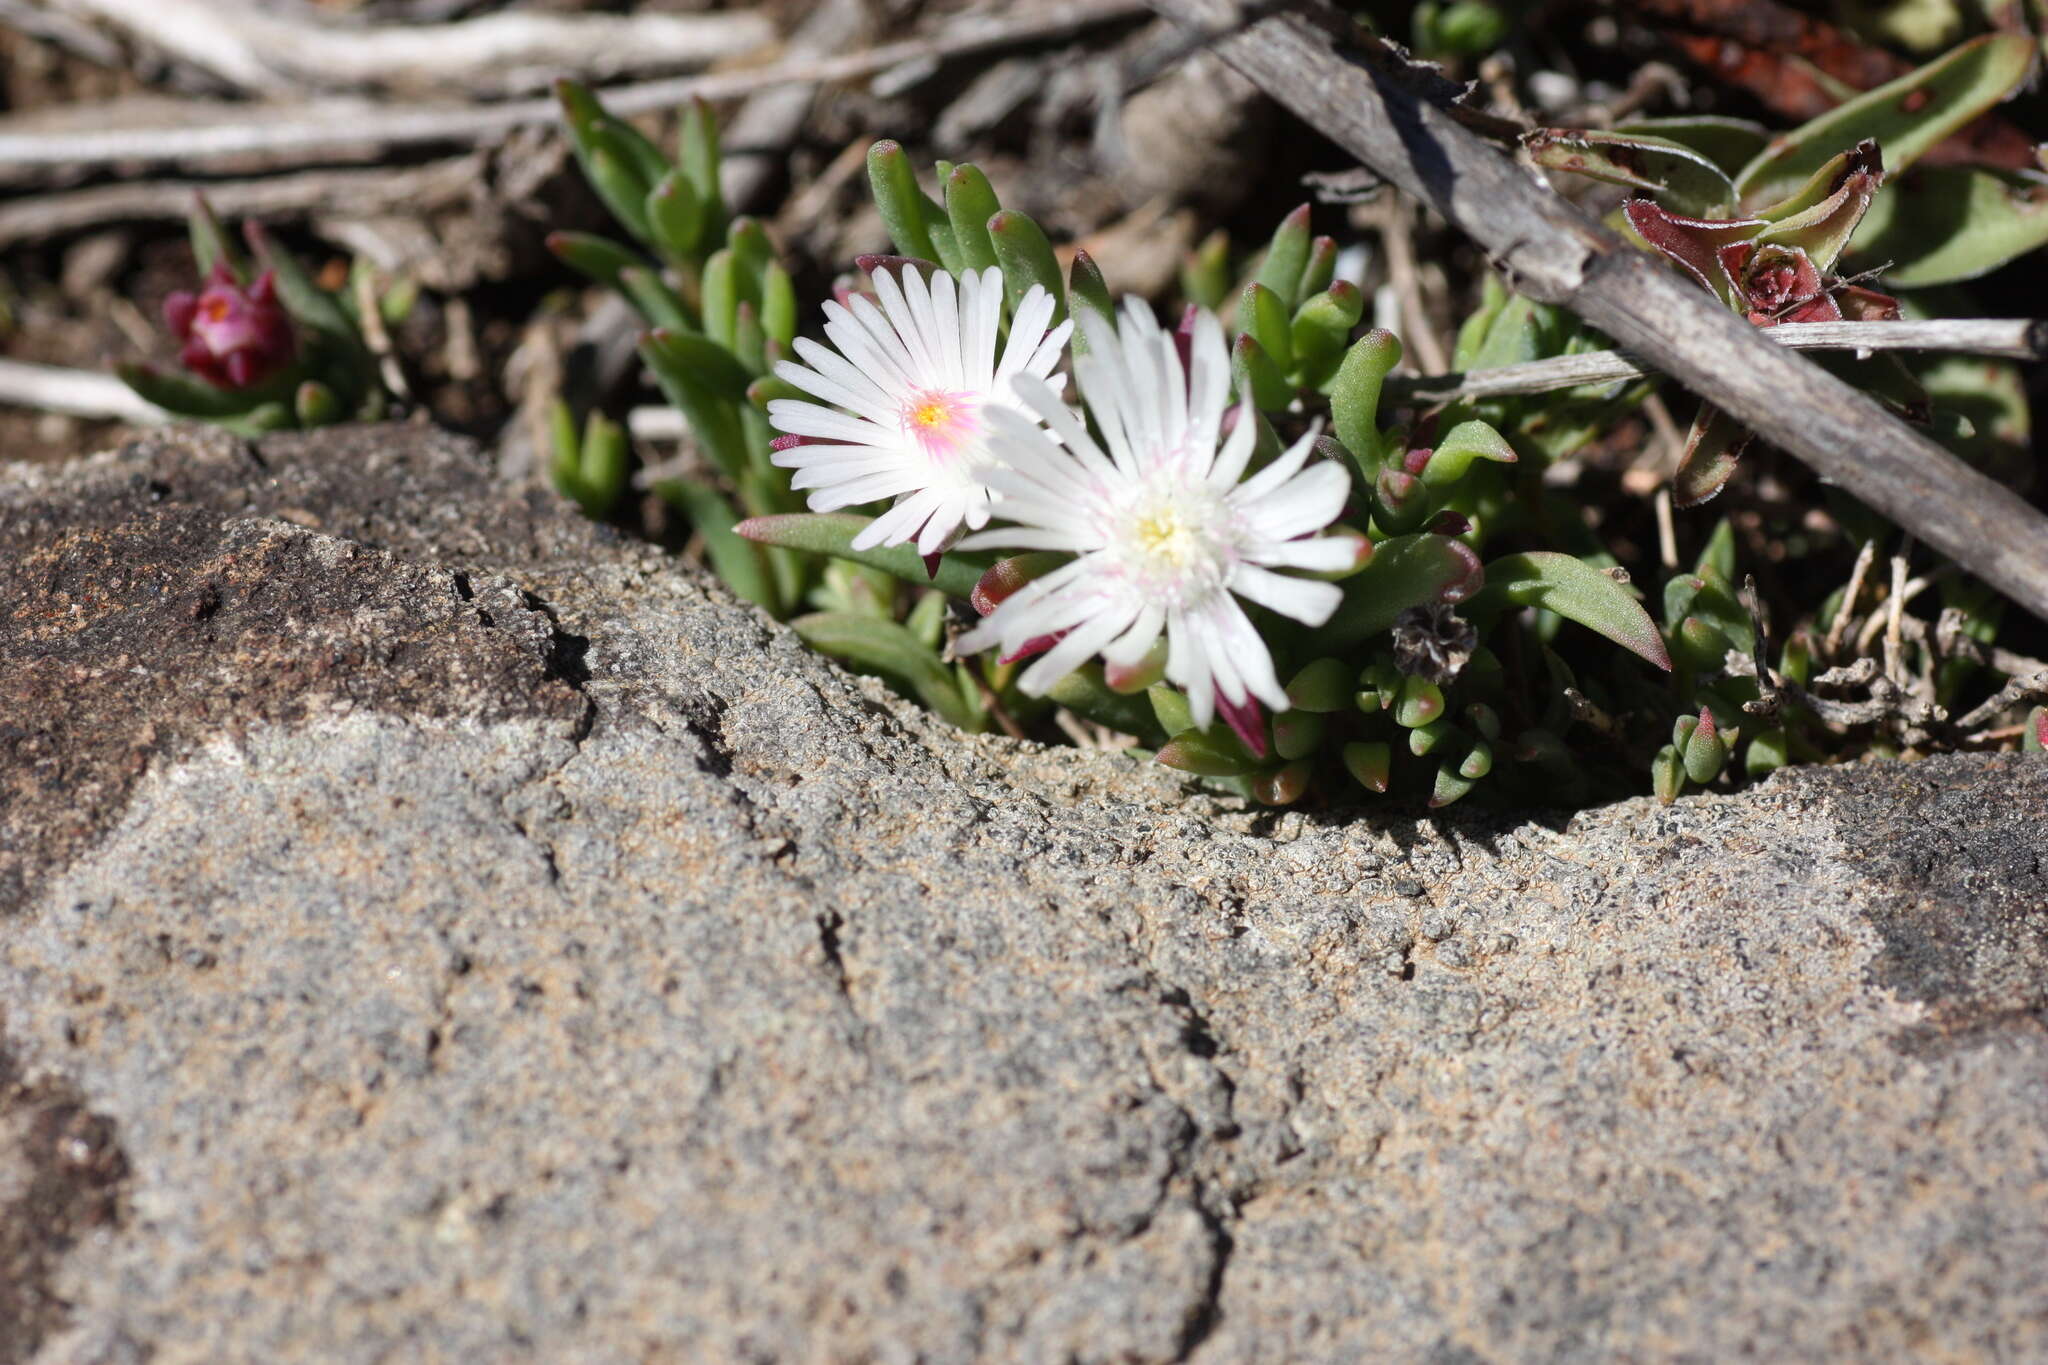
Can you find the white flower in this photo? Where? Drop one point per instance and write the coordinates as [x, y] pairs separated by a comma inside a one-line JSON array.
[[1165, 536], [917, 379]]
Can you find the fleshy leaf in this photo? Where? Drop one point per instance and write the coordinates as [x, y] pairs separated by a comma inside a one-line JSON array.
[[1085, 692], [1203, 754], [1823, 228], [1693, 243], [1026, 257], [1577, 591], [1677, 176], [1263, 316], [1355, 397], [1369, 764], [1712, 448], [1460, 446], [1006, 576], [1287, 257], [1406, 571], [906, 212], [1703, 752], [1906, 116], [1730, 143], [675, 215], [970, 202], [1948, 223], [832, 533]]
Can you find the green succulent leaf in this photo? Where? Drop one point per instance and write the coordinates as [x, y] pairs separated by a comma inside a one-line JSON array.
[[1681, 179], [1450, 785], [1322, 686], [1170, 708], [1948, 223], [1085, 692], [1712, 449], [701, 358], [306, 301], [676, 216], [1667, 775], [315, 405], [649, 293], [1320, 271], [714, 420], [832, 533], [1370, 764], [1321, 326], [1405, 571], [1205, 275], [1206, 755], [1263, 316], [1026, 257], [970, 202], [1460, 446], [185, 395], [1577, 591], [210, 241], [1730, 143], [697, 156], [1287, 257], [1355, 397], [1257, 376], [1822, 217], [1704, 754], [1088, 291], [1907, 116], [906, 212]]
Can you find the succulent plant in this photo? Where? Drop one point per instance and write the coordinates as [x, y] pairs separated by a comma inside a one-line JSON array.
[[263, 346]]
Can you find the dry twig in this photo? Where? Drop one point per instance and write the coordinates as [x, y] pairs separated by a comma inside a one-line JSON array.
[[75, 393], [269, 50], [2010, 338], [343, 126]]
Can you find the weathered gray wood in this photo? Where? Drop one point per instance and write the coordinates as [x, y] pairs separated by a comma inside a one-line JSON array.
[[1554, 253], [2009, 338]]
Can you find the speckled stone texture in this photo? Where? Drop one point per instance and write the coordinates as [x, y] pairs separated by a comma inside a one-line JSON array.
[[434, 930]]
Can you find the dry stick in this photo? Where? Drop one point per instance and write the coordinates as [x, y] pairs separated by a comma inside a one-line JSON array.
[[75, 393], [1554, 253], [1831, 647], [335, 126], [262, 50], [2009, 338], [2015, 692], [356, 191]]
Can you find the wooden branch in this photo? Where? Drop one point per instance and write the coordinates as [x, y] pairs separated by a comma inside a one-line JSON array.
[[2009, 338], [267, 50], [75, 393], [349, 126], [358, 192], [1553, 253]]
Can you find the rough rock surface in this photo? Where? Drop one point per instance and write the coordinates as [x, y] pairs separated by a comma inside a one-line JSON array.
[[433, 930]]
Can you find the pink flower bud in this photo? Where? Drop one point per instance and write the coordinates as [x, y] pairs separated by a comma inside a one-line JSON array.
[[231, 337]]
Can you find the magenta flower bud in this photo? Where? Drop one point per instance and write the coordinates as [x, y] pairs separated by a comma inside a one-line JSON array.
[[232, 337]]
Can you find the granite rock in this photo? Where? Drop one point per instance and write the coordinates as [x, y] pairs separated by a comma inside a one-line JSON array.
[[432, 928]]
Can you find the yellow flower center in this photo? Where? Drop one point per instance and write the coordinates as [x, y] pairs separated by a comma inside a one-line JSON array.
[[943, 424], [1165, 537]]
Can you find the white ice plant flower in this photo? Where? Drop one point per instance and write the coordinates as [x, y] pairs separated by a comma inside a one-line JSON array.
[[914, 384], [1165, 530]]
